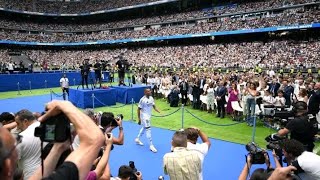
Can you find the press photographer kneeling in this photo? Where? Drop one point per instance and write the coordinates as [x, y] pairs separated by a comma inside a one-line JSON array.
[[302, 128]]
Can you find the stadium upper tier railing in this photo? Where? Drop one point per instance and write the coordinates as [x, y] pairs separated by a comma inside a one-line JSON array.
[[85, 9], [160, 38]]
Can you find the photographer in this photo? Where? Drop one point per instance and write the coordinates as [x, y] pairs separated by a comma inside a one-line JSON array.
[[109, 122], [121, 64], [78, 163], [97, 71], [182, 163], [99, 170], [85, 70], [203, 148], [125, 172], [306, 163], [300, 128], [259, 173]]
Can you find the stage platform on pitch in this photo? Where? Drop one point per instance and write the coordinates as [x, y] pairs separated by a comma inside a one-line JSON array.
[[15, 82], [82, 98], [126, 93]]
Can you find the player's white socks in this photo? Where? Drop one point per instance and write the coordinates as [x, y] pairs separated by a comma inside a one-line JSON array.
[[148, 134], [141, 132]]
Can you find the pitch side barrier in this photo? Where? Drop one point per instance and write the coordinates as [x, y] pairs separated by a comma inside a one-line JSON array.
[[160, 38]]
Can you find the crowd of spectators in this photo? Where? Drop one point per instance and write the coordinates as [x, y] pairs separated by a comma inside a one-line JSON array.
[[288, 17], [89, 156], [240, 8], [68, 7], [289, 54]]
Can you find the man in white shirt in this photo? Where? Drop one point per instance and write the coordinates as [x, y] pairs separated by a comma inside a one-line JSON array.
[[64, 83], [307, 163], [145, 106], [29, 150], [10, 67], [201, 148]]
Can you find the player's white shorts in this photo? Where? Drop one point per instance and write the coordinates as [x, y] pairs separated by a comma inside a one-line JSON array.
[[146, 122]]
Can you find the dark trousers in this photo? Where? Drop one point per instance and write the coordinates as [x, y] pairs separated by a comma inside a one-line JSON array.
[[121, 75], [111, 79], [184, 98], [64, 92], [84, 80], [221, 108], [154, 91], [98, 79], [196, 101]]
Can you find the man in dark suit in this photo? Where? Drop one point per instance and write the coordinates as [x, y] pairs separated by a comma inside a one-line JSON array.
[[85, 69], [287, 92], [221, 99], [97, 71], [274, 87], [314, 100], [184, 87], [201, 84]]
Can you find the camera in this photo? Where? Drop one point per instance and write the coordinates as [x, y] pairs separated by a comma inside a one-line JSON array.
[[54, 129], [256, 153], [275, 143], [277, 116], [108, 119], [134, 171]]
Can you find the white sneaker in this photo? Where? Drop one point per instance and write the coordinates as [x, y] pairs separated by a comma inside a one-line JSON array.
[[137, 140], [153, 149]]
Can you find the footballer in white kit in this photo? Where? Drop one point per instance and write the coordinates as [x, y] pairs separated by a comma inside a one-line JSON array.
[[146, 104]]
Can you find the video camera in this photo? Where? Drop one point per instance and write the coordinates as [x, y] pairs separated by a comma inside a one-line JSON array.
[[134, 171], [54, 129], [256, 153], [278, 114], [108, 119]]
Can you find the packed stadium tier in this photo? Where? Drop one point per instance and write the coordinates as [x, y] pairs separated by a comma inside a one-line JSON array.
[[68, 7], [205, 13], [288, 17], [288, 54]]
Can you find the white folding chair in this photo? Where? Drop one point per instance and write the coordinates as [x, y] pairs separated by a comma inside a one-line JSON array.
[[238, 110]]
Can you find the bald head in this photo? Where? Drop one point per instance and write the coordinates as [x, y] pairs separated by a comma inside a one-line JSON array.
[[147, 92], [179, 139]]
